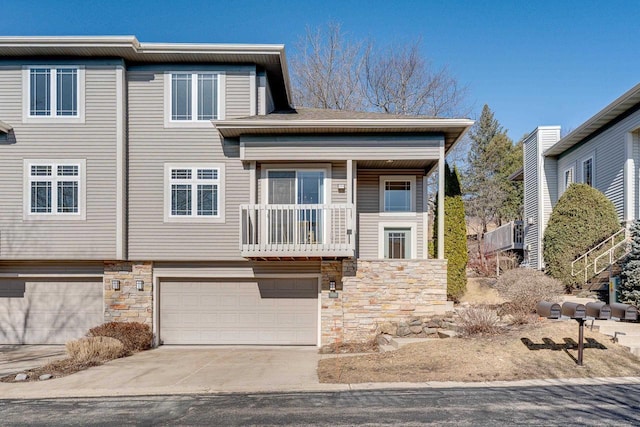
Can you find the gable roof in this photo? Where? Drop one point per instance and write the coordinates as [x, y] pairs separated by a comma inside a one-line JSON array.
[[609, 115], [271, 57], [325, 121]]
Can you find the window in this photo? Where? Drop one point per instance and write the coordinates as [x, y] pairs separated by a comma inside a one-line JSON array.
[[53, 92], [568, 178], [397, 194], [397, 243], [397, 240], [193, 97], [194, 192], [587, 171], [54, 189]]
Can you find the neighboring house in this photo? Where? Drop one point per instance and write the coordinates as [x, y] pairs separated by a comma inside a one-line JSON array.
[[174, 184], [603, 152]]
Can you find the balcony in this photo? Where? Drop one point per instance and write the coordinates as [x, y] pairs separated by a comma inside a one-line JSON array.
[[296, 231], [509, 236]]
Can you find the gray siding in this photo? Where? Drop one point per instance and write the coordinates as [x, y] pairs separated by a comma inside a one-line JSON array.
[[151, 145], [93, 140], [339, 147], [242, 269], [531, 197], [608, 151], [369, 218], [635, 190]]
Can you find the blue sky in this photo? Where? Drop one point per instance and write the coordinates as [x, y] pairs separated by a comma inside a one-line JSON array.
[[534, 62]]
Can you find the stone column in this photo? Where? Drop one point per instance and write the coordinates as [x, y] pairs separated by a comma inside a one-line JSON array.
[[128, 304]]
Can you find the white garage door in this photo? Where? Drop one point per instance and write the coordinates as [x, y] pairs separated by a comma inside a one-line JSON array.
[[42, 311], [267, 311]]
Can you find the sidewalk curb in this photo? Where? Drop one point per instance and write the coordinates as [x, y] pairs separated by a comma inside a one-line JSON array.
[[8, 392]]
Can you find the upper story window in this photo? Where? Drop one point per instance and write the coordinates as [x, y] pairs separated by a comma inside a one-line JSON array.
[[587, 171], [54, 189], [194, 97], [397, 194], [53, 92], [194, 192]]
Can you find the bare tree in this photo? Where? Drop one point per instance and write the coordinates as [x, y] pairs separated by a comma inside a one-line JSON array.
[[330, 70], [327, 70], [399, 80]]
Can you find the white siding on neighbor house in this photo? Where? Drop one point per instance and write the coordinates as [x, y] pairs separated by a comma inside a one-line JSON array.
[[540, 189], [635, 187], [151, 145], [609, 155], [94, 141], [331, 147], [369, 217]]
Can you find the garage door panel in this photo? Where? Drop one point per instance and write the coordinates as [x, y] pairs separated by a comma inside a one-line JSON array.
[[49, 311], [270, 311]]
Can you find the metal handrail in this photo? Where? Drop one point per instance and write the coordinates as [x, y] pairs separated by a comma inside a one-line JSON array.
[[587, 264]]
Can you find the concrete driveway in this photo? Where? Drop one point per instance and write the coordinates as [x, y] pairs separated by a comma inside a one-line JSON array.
[[16, 358], [187, 369]]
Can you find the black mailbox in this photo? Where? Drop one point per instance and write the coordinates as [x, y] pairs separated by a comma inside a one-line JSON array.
[[574, 310], [624, 311], [598, 310], [548, 309]]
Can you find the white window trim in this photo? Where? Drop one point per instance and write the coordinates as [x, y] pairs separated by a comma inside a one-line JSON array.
[[388, 224], [169, 123], [593, 170], [220, 218], [81, 215], [386, 178], [309, 167], [564, 180], [26, 96]]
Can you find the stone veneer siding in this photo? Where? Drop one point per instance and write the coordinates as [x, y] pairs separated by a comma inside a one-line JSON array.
[[378, 291], [128, 304]]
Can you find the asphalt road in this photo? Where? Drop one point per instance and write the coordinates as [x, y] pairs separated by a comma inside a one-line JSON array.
[[541, 406]]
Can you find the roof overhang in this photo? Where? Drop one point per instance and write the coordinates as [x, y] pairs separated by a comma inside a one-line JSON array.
[[517, 175], [271, 57], [630, 100], [452, 129], [5, 127]]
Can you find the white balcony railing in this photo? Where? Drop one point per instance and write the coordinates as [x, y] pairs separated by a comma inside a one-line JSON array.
[[509, 236], [296, 230]]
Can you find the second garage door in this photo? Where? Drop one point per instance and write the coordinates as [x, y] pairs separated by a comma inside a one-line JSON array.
[[265, 311]]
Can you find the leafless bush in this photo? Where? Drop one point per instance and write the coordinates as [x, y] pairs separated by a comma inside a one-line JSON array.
[[523, 288], [479, 321], [95, 349], [135, 336]]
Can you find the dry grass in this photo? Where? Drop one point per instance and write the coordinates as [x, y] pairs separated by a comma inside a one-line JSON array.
[[523, 288], [480, 291], [96, 349], [351, 347], [479, 321], [539, 350]]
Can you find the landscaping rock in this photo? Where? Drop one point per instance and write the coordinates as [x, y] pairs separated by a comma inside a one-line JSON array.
[[416, 329], [388, 328], [429, 331], [44, 377], [415, 322], [403, 331], [21, 377], [384, 339], [447, 334]]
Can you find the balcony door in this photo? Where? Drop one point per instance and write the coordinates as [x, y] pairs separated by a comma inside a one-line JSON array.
[[296, 196]]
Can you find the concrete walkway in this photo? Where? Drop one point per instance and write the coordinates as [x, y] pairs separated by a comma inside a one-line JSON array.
[[16, 358], [202, 370]]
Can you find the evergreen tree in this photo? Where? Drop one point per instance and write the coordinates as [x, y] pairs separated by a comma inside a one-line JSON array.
[[455, 235], [630, 277]]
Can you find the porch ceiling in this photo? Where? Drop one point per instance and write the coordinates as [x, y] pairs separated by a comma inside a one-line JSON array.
[[397, 164]]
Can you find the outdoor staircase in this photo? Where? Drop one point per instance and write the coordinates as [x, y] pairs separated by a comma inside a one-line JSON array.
[[594, 268]]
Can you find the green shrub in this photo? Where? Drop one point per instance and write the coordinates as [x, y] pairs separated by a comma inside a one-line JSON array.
[[134, 336], [630, 277], [455, 236], [94, 349], [582, 218], [523, 288]]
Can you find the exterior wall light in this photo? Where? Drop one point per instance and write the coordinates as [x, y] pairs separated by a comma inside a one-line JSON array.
[[140, 285], [342, 188], [332, 285], [115, 284]]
